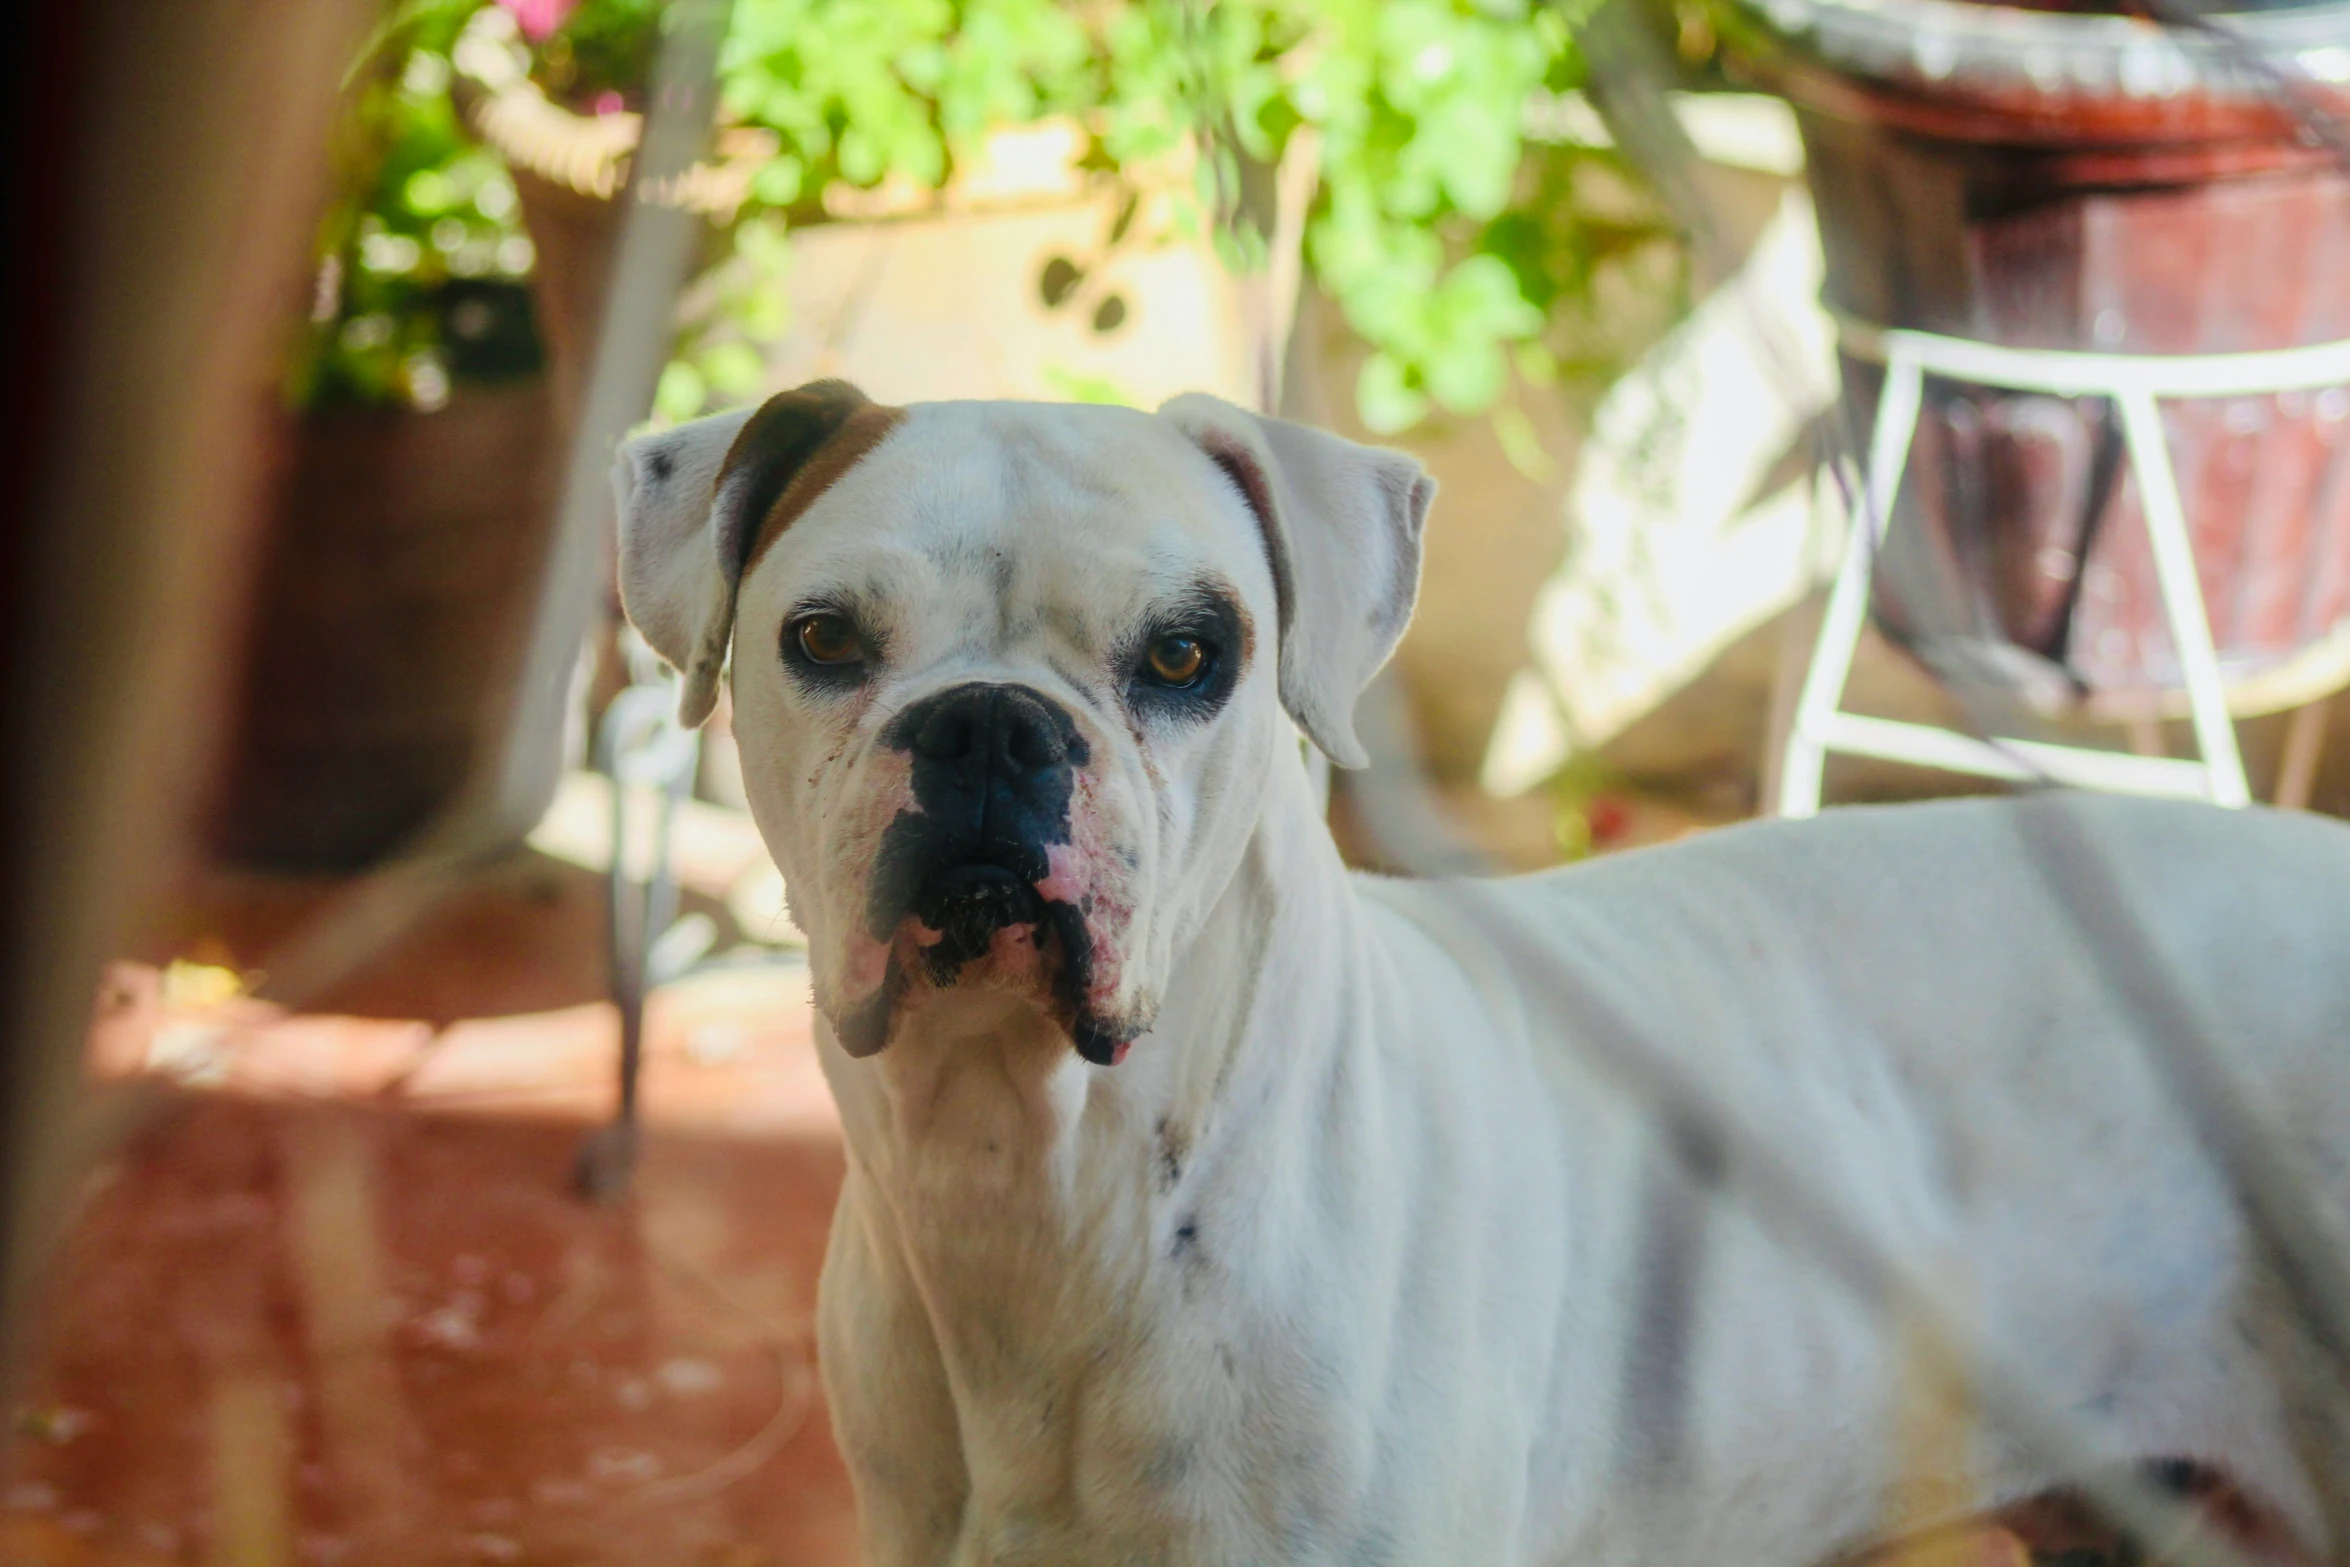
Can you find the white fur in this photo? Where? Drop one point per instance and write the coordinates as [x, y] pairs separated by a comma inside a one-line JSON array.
[[1349, 1261]]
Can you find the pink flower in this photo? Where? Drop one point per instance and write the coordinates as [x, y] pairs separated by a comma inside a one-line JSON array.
[[538, 18]]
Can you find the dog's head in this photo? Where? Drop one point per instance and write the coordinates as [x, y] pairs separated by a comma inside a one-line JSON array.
[[1009, 678]]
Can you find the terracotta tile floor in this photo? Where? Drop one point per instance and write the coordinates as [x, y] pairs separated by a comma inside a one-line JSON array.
[[337, 1303]]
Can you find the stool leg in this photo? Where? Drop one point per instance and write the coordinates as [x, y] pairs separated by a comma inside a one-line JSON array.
[[1848, 602], [1790, 662], [2305, 745], [2182, 598]]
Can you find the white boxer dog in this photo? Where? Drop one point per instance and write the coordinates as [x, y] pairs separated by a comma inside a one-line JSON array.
[[1209, 1204]]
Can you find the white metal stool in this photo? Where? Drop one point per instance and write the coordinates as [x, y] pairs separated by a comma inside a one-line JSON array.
[[2135, 383]]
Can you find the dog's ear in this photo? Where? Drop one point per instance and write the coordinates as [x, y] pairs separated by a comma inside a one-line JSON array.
[[1341, 525], [694, 501]]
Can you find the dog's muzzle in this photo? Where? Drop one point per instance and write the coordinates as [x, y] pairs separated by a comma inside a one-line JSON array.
[[967, 904], [993, 771]]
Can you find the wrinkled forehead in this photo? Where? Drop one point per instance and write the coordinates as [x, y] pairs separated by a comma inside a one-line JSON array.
[[1024, 501]]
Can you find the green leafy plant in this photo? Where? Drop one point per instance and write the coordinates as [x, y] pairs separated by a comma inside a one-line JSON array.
[[1416, 108], [597, 57], [1458, 252], [422, 256]]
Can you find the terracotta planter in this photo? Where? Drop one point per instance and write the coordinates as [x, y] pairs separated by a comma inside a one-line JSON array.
[[2093, 183], [399, 577]]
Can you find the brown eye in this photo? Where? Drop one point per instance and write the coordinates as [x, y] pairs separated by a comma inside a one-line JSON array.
[[1176, 660], [828, 639]]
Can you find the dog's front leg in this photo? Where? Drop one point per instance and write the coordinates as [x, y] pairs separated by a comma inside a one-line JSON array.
[[892, 1413]]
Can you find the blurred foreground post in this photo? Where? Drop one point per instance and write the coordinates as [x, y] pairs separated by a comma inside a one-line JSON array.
[[169, 166]]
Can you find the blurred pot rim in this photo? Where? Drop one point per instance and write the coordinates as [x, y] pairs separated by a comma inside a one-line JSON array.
[[1960, 45]]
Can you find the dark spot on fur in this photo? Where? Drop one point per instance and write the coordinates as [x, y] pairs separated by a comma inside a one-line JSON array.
[[1699, 1151], [661, 465], [1186, 1234], [1657, 1360], [1171, 1464], [1172, 1147]]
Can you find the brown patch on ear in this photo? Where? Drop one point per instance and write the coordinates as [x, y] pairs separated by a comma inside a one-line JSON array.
[[1241, 467], [789, 453]]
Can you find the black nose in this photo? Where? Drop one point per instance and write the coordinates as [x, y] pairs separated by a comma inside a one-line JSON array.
[[994, 768], [982, 734]]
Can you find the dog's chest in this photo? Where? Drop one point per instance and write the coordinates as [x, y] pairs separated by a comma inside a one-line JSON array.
[[1121, 1389]]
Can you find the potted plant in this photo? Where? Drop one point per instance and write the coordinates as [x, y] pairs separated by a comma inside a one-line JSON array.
[[414, 492], [2072, 177]]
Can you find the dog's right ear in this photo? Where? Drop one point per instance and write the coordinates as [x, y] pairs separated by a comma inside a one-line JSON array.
[[694, 501]]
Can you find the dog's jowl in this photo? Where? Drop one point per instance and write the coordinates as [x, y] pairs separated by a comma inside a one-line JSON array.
[[1209, 1204]]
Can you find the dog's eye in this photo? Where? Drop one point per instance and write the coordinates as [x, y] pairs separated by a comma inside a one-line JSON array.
[[1176, 659], [827, 639]]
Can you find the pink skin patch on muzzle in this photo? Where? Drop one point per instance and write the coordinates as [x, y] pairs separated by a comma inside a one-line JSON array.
[[1086, 882]]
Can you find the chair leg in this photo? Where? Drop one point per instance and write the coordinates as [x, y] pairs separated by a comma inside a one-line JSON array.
[[2182, 599], [1848, 602], [1791, 661], [2305, 745]]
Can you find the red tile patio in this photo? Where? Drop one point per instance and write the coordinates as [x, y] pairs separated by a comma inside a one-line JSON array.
[[336, 1302]]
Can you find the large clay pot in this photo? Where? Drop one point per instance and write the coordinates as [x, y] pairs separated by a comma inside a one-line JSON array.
[[399, 579], [400, 574], [2098, 183]]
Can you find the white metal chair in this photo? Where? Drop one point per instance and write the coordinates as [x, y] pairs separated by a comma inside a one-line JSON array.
[[2136, 384]]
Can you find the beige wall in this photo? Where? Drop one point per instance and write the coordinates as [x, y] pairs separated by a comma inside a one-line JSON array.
[[1493, 537]]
